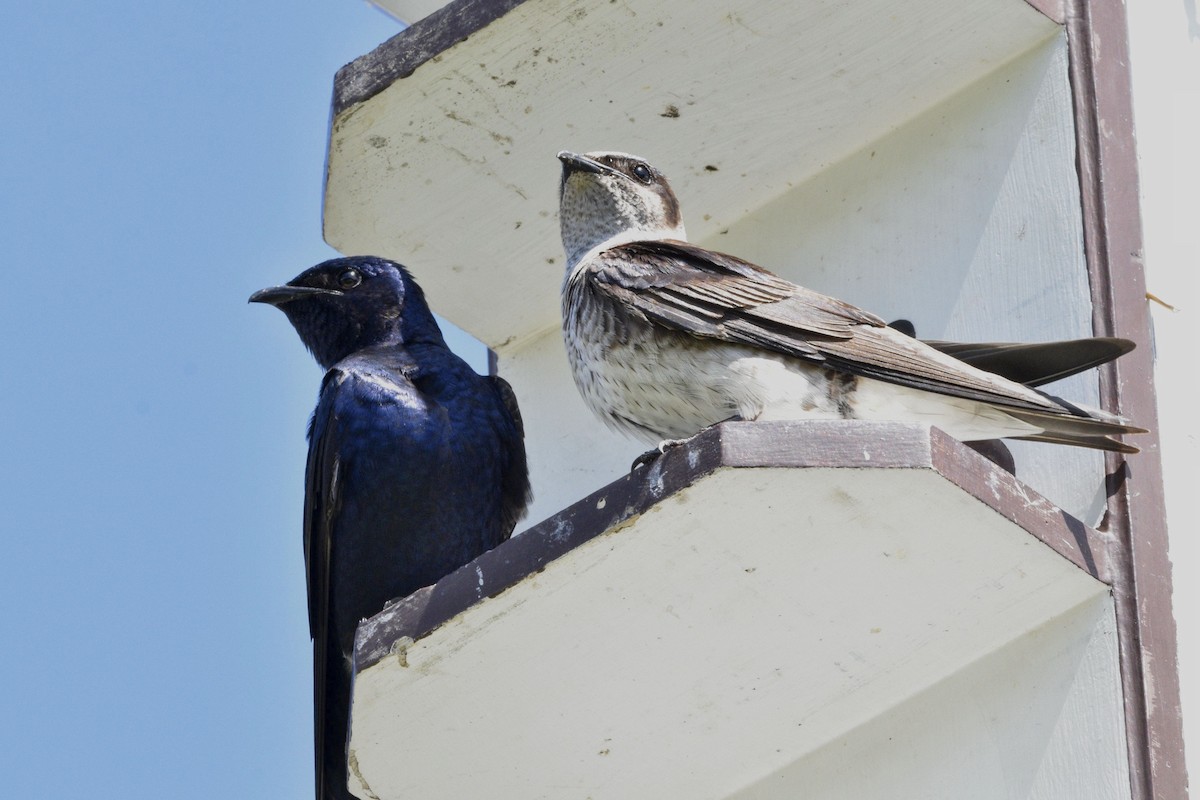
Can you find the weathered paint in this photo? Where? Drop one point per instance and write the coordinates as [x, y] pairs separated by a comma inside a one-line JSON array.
[[1137, 512], [739, 630], [461, 117], [450, 169]]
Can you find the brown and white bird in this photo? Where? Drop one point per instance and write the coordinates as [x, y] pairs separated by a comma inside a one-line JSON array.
[[666, 338]]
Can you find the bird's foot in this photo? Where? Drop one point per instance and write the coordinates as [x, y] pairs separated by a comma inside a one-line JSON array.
[[653, 454]]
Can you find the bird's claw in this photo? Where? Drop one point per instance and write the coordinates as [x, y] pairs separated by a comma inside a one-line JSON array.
[[653, 454]]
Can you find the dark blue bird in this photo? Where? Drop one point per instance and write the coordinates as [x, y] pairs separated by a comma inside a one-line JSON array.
[[416, 465]]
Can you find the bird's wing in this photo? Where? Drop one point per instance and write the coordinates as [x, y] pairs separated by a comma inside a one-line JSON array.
[[516, 491], [1037, 363], [1030, 363], [322, 497], [712, 295]]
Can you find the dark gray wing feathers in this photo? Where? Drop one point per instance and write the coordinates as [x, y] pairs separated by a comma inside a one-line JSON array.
[[515, 488], [322, 497], [713, 295]]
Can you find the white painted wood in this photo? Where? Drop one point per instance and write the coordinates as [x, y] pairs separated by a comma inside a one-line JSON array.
[[966, 221], [1039, 718], [1087, 751], [763, 632], [452, 170]]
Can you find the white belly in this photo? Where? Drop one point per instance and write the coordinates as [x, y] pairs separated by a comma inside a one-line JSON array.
[[666, 392]]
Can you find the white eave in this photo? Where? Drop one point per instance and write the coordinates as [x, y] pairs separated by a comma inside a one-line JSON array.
[[443, 139], [774, 610]]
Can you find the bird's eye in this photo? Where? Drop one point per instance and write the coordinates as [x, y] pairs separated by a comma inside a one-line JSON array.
[[349, 279], [642, 173]]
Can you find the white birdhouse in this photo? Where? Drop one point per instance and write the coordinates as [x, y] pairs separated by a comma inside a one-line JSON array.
[[824, 610]]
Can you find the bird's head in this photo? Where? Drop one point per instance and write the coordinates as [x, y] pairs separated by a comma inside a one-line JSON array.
[[613, 198], [346, 304]]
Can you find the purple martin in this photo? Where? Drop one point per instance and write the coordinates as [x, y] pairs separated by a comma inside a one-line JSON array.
[[416, 465], [666, 338]]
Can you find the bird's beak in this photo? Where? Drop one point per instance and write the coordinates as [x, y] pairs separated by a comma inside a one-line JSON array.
[[278, 295], [573, 162]]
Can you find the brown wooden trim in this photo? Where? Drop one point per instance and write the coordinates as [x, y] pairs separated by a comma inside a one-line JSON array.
[[1136, 521], [785, 444], [529, 552], [1003, 492], [398, 57], [368, 75]]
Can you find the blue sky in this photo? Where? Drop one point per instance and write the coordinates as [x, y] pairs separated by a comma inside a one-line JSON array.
[[161, 161]]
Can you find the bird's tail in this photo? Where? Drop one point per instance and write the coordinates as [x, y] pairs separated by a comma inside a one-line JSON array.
[[1090, 428], [333, 678], [1034, 364], [1030, 363]]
